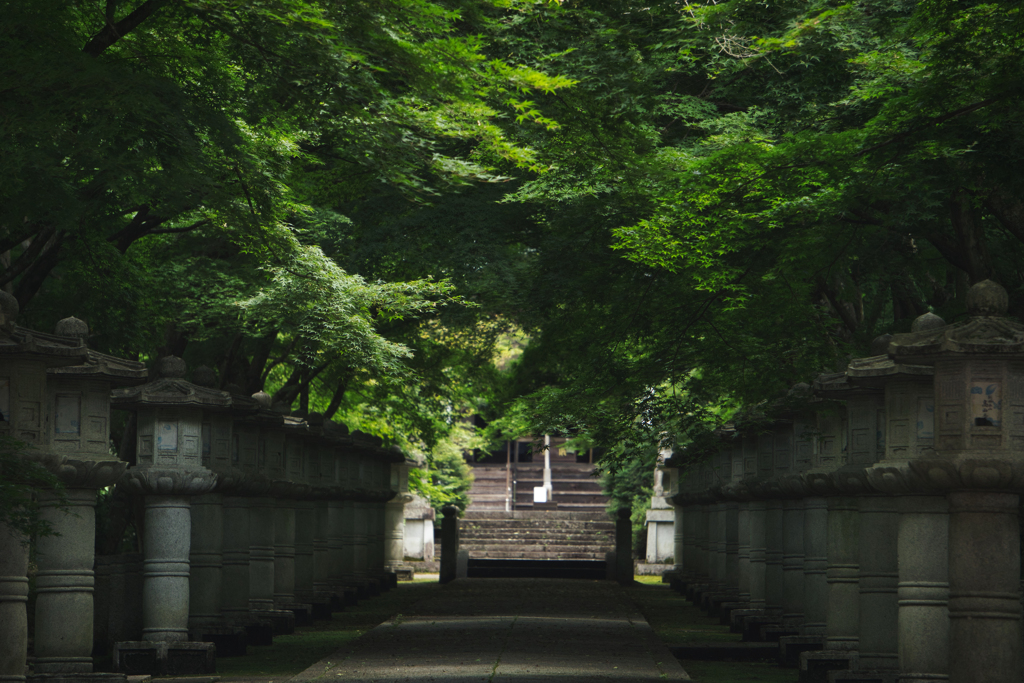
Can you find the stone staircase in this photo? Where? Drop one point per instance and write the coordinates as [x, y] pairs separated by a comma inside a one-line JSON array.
[[536, 535], [573, 488]]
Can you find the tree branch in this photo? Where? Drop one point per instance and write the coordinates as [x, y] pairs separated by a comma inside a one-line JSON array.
[[111, 33]]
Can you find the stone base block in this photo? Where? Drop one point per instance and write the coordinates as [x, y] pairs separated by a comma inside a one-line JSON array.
[[712, 602], [283, 621], [303, 613], [752, 625], [97, 677], [695, 590], [405, 574], [165, 659], [737, 616], [790, 648], [259, 632], [725, 651], [322, 610], [231, 641], [815, 666], [726, 609], [867, 676], [774, 633]]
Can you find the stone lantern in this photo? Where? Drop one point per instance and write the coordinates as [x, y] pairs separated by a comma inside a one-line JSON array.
[[660, 518], [25, 416], [978, 464], [260, 450], [394, 520], [289, 487], [170, 413], [209, 591], [78, 398], [306, 479]]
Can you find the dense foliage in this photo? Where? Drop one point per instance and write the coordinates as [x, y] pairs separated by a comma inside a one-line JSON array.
[[669, 209]]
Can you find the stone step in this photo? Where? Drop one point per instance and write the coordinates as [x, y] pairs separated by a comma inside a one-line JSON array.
[[514, 555], [499, 534], [544, 515], [534, 524], [554, 550]]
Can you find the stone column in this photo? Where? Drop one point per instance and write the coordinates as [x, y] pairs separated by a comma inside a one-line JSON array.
[[984, 583], [717, 547], [346, 514], [743, 551], [793, 562], [360, 542], [842, 572], [305, 527], [923, 589], [165, 595], [878, 578], [679, 539], [394, 523], [284, 553], [261, 553], [206, 561], [773, 578], [339, 572], [758, 551], [321, 553], [732, 539], [13, 599], [815, 565], [235, 561], [64, 584]]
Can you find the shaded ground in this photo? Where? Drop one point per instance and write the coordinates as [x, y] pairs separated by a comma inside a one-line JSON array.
[[292, 654], [522, 630], [498, 629], [677, 622]]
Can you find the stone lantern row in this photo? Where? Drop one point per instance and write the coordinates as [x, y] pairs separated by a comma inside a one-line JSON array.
[[870, 523], [252, 518]]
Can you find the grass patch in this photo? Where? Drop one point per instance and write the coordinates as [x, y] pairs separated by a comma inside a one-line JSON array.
[[677, 622], [295, 653]]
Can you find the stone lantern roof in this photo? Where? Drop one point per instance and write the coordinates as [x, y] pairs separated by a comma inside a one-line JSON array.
[[19, 341], [984, 333], [97, 365], [172, 390]]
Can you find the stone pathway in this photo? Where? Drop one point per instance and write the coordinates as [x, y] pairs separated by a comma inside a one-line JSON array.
[[521, 630]]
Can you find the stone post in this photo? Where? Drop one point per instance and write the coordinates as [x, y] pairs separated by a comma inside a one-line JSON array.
[[743, 551], [984, 585], [815, 565], [923, 589], [449, 543], [758, 552], [261, 554], [623, 547], [773, 578], [206, 562], [235, 561], [842, 572], [64, 578], [165, 594], [321, 561], [878, 578], [793, 562], [13, 598]]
